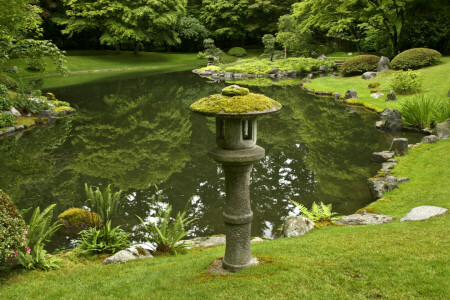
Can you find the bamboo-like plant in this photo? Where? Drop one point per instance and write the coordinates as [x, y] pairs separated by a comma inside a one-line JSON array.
[[321, 214]]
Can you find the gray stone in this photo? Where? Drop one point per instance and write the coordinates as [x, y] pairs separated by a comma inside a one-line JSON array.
[[13, 111], [19, 128], [383, 64], [337, 96], [391, 96], [205, 73], [240, 75], [350, 54], [257, 240], [402, 179], [297, 226], [228, 75], [390, 120], [400, 146], [430, 139], [195, 71], [423, 213], [351, 94], [369, 75], [322, 57], [380, 185], [15, 69], [376, 95], [383, 156], [239, 59], [442, 130], [49, 114], [385, 167], [131, 253], [310, 76], [10, 129], [274, 71], [323, 68], [292, 74], [364, 219]]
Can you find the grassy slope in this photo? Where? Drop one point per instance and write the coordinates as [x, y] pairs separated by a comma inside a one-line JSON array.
[[395, 260], [435, 81]]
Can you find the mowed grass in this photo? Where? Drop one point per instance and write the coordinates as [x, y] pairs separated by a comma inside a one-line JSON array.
[[435, 80], [392, 261]]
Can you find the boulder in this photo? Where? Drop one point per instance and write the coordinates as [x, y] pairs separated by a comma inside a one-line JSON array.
[[351, 94], [383, 156], [376, 95], [380, 185], [131, 253], [423, 213], [13, 111], [74, 220], [228, 75], [292, 74], [274, 71], [337, 96], [383, 64], [364, 219], [205, 73], [387, 166], [323, 68], [350, 54], [10, 129], [369, 75], [322, 57], [297, 226], [442, 130], [390, 120], [400, 145], [240, 75], [195, 71], [310, 76], [49, 114], [430, 139], [391, 96]]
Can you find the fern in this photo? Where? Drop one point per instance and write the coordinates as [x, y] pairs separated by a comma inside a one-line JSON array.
[[322, 214]]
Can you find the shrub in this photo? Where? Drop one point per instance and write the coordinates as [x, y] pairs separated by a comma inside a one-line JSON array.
[[405, 82], [7, 120], [424, 111], [416, 58], [322, 214], [40, 231], [12, 231], [5, 101], [8, 82], [164, 232], [237, 51], [359, 64]]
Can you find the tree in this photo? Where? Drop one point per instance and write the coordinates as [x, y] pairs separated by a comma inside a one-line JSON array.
[[191, 31], [269, 45], [122, 21]]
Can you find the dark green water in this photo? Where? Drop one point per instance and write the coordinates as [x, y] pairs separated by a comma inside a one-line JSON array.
[[138, 134]]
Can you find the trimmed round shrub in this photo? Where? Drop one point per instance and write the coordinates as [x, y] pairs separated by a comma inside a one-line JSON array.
[[12, 231], [405, 82], [416, 58], [5, 101], [237, 51], [359, 64], [8, 82]]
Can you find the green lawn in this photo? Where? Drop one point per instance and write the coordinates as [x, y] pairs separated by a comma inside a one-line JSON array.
[[392, 261], [436, 80]]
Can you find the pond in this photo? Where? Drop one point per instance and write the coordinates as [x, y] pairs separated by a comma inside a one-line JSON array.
[[139, 135]]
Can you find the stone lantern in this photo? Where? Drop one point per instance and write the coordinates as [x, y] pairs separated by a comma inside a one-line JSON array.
[[236, 111]]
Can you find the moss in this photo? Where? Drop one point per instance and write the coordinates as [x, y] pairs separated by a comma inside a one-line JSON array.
[[235, 90], [234, 104], [376, 91], [373, 85], [78, 217], [141, 251], [61, 108], [209, 68]]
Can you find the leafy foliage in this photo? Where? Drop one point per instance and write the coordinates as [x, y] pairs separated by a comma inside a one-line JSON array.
[[8, 82], [415, 59], [211, 49], [359, 64], [424, 111], [40, 230], [7, 120], [321, 214], [165, 232], [5, 101], [12, 231], [405, 82], [103, 240], [237, 51]]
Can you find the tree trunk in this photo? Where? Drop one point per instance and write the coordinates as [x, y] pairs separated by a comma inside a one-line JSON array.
[[117, 46], [136, 48], [285, 52], [271, 57]]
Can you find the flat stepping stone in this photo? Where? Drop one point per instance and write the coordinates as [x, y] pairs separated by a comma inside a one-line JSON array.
[[366, 219], [423, 213]]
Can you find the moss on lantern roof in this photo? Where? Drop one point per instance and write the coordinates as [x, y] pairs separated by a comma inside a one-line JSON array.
[[235, 100]]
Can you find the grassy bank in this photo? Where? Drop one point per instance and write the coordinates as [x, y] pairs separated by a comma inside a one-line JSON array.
[[435, 81], [396, 260]]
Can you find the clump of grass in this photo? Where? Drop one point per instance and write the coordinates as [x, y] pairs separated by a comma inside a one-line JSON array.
[[425, 111]]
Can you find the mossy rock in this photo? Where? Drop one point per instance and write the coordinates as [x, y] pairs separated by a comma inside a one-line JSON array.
[[75, 220], [235, 100], [373, 85]]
